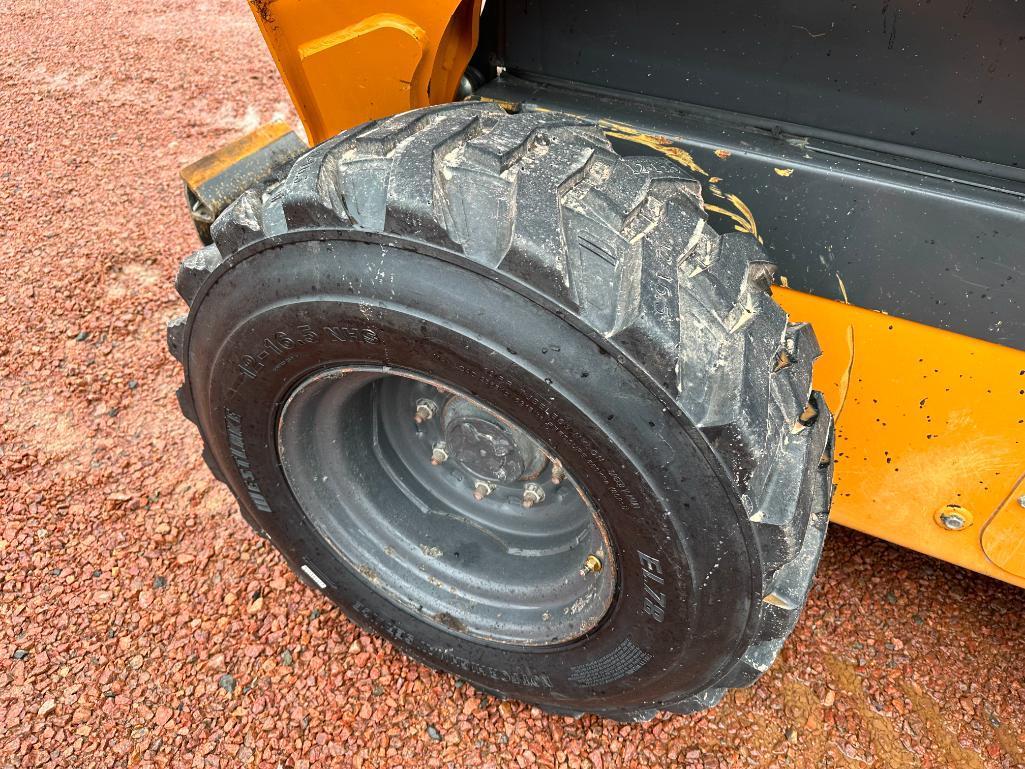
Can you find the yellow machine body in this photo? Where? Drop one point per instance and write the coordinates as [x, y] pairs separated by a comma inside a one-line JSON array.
[[930, 424], [926, 420]]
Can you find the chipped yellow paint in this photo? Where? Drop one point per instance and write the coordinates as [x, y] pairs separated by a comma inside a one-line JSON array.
[[722, 154], [784, 171]]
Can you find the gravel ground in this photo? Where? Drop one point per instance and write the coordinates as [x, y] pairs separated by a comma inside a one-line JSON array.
[[145, 624]]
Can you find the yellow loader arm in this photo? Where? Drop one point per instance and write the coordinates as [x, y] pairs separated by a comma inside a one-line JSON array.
[[345, 63]]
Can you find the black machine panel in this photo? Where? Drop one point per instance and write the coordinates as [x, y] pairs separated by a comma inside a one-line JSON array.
[[942, 75]]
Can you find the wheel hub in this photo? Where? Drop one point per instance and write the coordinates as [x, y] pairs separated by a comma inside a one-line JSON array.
[[488, 447]]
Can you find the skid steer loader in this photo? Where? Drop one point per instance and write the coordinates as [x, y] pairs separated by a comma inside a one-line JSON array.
[[513, 357]]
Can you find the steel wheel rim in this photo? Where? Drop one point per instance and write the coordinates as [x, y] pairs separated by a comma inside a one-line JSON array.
[[503, 548]]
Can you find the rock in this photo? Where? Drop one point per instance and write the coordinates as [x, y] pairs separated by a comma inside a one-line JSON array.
[[49, 706], [163, 715], [227, 682], [81, 336], [160, 582], [286, 658], [433, 733], [19, 654]]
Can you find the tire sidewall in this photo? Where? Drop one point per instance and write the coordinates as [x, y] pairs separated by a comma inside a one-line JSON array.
[[283, 311]]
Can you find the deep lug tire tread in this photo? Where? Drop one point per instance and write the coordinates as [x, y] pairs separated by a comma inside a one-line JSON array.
[[624, 244]]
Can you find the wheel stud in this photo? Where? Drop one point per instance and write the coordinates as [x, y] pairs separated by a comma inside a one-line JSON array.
[[425, 410], [482, 489], [558, 473], [591, 564], [532, 494], [439, 453]]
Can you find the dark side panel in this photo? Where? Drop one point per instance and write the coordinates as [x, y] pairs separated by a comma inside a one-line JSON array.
[[946, 76]]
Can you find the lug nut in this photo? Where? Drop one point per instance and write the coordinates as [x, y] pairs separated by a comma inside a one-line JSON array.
[[482, 489], [558, 473], [439, 453], [532, 494], [425, 410], [592, 564]]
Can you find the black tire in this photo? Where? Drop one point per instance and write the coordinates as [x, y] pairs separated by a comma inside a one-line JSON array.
[[519, 259]]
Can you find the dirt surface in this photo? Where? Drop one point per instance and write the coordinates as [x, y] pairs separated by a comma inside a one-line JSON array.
[[143, 623]]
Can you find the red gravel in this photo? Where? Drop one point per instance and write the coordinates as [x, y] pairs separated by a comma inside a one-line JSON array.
[[132, 633]]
